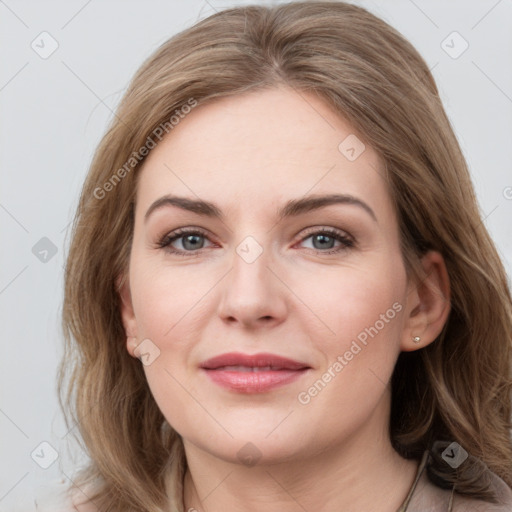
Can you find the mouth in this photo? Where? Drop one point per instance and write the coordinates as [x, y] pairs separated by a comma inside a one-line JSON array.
[[240, 368], [253, 373]]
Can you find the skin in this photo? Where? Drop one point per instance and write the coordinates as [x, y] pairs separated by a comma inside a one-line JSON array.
[[249, 154]]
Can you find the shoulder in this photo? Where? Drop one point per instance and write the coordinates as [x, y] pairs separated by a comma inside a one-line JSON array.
[[428, 497], [465, 504], [502, 491]]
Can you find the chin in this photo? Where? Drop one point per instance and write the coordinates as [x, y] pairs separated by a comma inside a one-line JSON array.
[[253, 450], [256, 437]]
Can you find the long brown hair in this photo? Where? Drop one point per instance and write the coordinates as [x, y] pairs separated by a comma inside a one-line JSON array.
[[458, 388]]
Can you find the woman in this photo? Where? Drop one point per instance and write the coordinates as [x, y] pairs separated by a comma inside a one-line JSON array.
[[279, 291]]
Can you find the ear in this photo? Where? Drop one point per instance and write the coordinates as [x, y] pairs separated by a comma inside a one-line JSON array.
[[428, 304], [127, 313]]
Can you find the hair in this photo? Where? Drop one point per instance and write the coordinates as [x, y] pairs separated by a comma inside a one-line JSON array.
[[457, 388]]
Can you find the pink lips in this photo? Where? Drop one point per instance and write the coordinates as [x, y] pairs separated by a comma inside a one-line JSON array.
[[252, 373]]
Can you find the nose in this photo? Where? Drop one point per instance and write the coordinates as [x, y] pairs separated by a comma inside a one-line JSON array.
[[253, 294]]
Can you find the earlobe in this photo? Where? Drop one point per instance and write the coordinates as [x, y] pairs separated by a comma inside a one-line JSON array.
[[131, 345], [428, 304], [127, 314]]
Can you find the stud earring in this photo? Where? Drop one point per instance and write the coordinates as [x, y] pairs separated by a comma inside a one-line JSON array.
[[416, 339]]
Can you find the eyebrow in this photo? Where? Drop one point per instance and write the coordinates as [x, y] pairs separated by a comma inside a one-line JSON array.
[[291, 208]]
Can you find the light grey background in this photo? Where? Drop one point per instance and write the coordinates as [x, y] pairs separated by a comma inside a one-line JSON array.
[[55, 110]]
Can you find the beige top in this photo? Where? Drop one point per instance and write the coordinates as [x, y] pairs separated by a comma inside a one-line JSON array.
[[423, 496]]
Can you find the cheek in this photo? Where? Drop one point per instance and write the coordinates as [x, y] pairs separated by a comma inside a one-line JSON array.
[[169, 307], [165, 298], [161, 309], [354, 303], [361, 314]]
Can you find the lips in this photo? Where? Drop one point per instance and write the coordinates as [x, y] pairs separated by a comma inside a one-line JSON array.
[[252, 373], [255, 362]]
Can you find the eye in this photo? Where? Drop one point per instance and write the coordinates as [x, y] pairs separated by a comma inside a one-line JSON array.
[[326, 237], [192, 241]]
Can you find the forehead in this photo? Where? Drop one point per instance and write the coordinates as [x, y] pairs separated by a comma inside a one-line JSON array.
[[262, 147]]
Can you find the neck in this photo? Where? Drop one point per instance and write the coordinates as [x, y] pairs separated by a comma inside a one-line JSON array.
[[363, 472]]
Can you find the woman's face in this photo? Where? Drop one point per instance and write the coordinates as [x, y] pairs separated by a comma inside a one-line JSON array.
[[264, 269]]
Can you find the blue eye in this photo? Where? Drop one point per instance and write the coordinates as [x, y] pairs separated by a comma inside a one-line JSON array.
[[325, 239], [192, 243], [191, 238]]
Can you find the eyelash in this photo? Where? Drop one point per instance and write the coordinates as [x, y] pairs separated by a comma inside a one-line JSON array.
[[165, 242]]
